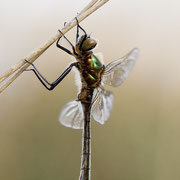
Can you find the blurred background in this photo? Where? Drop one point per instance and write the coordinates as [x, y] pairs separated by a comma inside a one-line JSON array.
[[140, 141]]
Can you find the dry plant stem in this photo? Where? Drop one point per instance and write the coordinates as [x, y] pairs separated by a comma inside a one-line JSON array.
[[22, 65], [89, 5]]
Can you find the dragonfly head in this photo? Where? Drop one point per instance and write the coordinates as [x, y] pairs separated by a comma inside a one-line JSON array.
[[85, 44]]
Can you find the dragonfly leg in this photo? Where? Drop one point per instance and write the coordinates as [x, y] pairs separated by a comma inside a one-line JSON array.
[[38, 78], [77, 33], [64, 49], [36, 70], [78, 26], [57, 81]]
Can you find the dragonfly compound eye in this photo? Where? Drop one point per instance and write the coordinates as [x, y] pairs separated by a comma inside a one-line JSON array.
[[88, 44]]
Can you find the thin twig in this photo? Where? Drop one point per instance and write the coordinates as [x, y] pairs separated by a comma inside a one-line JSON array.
[[8, 77], [89, 5]]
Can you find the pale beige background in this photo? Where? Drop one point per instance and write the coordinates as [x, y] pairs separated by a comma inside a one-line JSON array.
[[140, 141]]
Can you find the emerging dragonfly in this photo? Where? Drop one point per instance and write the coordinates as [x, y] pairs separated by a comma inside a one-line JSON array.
[[92, 99]]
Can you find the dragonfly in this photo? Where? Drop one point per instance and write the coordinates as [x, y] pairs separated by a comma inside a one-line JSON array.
[[93, 99]]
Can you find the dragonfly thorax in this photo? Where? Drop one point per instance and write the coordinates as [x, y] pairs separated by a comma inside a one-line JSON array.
[[91, 70]]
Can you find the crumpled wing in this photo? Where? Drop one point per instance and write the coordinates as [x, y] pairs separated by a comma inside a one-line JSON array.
[[117, 71], [72, 115], [102, 105]]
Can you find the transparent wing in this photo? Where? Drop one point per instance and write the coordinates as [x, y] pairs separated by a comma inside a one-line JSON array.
[[102, 105], [72, 115], [117, 71]]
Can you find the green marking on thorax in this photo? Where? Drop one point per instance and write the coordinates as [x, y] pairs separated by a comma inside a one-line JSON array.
[[95, 63]]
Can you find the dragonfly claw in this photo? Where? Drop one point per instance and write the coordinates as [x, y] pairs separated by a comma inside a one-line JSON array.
[[60, 32], [28, 61]]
